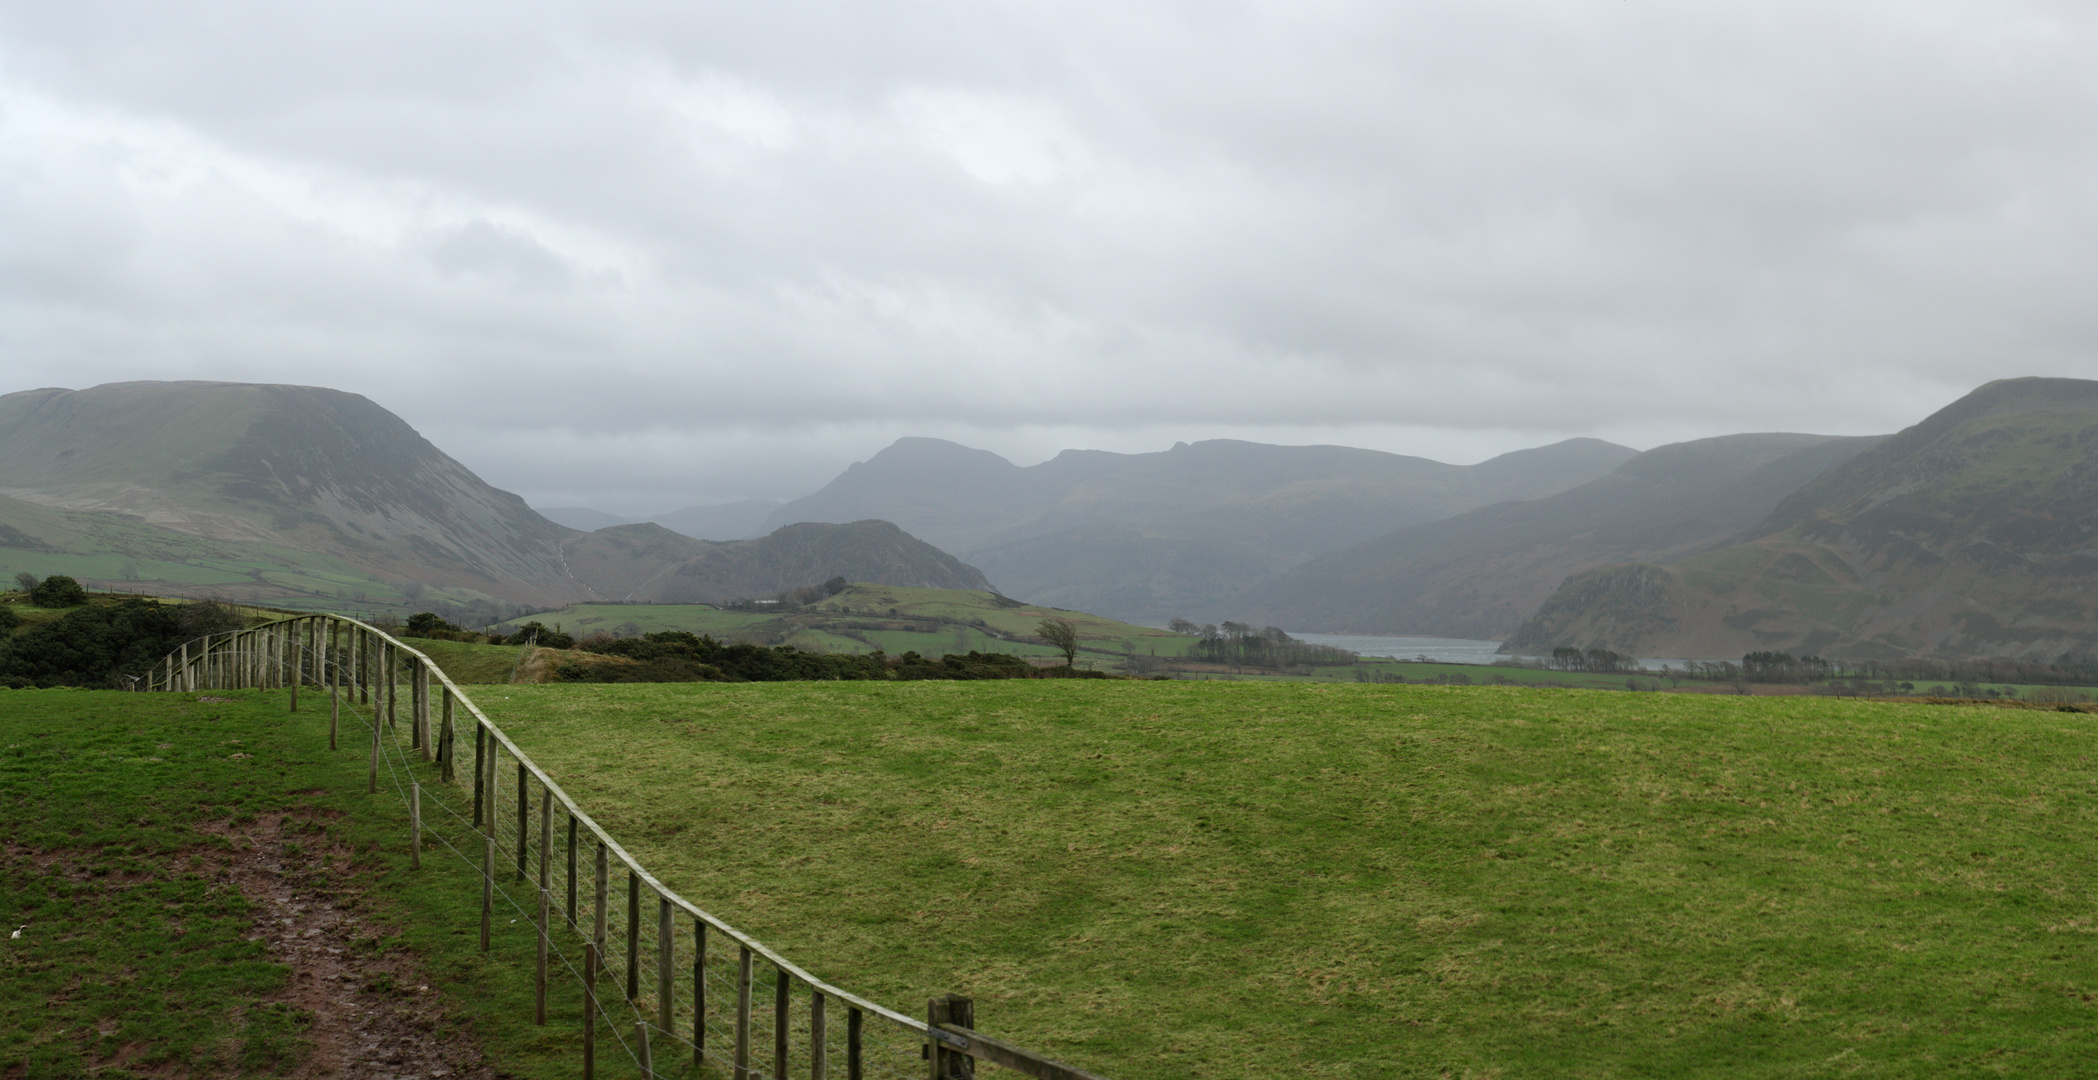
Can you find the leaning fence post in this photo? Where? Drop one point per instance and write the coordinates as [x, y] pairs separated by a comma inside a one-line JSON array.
[[590, 962], [480, 767], [648, 1060], [415, 824]]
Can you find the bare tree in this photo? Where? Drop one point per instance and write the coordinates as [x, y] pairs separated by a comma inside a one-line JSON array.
[[1062, 635]]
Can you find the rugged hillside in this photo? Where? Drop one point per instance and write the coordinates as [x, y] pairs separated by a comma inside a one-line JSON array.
[[1149, 536], [303, 495], [649, 562], [286, 467], [1481, 573], [1974, 533]]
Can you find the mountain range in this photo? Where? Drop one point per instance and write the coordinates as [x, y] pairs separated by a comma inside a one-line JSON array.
[[1970, 533], [294, 494], [1146, 537]]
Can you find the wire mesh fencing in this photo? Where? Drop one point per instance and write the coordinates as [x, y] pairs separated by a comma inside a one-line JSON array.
[[672, 987]]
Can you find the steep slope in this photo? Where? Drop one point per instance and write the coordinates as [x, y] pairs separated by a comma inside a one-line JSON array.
[[649, 562], [1973, 533], [1147, 536], [303, 468], [1481, 573]]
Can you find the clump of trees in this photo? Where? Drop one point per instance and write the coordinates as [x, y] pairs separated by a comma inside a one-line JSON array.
[[56, 591], [433, 627], [1599, 661], [681, 656], [1239, 644], [538, 633], [106, 645], [792, 599]]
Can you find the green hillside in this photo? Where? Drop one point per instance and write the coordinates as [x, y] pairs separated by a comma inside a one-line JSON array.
[[119, 552], [1165, 880], [1968, 534]]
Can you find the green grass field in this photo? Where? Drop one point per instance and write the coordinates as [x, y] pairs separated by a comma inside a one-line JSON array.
[[139, 957], [1167, 879]]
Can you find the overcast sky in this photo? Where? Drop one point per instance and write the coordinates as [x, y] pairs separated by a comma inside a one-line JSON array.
[[637, 255]]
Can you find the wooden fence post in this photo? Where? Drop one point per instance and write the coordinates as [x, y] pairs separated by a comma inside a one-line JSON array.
[[418, 695], [648, 1059], [743, 1015], [855, 1024], [333, 665], [590, 963], [819, 1052], [524, 817], [546, 898], [666, 965], [539, 970], [699, 991], [603, 896], [960, 1011], [415, 824], [782, 997], [487, 886], [572, 827], [480, 767], [447, 753], [633, 934], [373, 787]]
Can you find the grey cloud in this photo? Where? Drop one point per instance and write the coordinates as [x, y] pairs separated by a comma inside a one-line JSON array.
[[756, 242]]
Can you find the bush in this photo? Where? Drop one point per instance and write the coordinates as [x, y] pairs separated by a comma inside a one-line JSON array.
[[8, 619], [58, 590]]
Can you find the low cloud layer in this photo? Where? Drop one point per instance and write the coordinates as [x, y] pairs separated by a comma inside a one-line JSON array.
[[639, 255]]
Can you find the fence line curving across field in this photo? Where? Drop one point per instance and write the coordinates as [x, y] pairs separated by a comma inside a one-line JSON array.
[[661, 978]]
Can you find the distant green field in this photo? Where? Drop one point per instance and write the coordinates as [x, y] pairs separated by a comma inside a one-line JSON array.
[[895, 619], [1177, 879]]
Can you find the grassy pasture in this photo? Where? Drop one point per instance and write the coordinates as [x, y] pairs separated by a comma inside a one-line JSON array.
[[1167, 879], [140, 957]]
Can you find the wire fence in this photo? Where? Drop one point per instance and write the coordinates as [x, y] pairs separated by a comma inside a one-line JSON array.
[[668, 985]]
